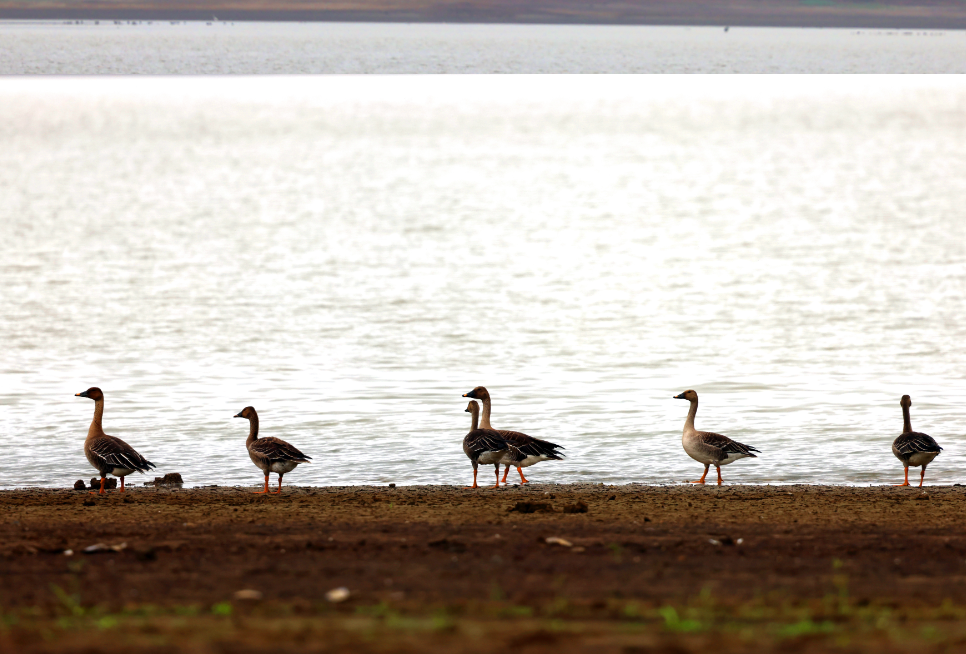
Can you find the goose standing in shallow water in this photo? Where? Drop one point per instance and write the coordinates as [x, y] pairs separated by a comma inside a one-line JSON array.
[[707, 447], [535, 449], [269, 454], [487, 446], [110, 455], [913, 448]]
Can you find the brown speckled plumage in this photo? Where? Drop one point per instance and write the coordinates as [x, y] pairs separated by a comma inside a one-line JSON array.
[[109, 455], [487, 446], [270, 454], [534, 449], [708, 447], [911, 447]]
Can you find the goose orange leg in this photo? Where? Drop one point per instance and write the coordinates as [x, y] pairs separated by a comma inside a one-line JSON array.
[[523, 480], [122, 484], [701, 481], [718, 468], [474, 480], [497, 466], [922, 476], [906, 482], [505, 473], [279, 491], [263, 492], [102, 488]]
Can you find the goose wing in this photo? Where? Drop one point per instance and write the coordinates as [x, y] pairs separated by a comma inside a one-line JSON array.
[[479, 441], [913, 441], [115, 453], [275, 449], [531, 446], [725, 445]]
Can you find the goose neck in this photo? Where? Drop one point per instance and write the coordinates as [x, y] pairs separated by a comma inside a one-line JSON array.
[[96, 428], [252, 430], [485, 419], [906, 420], [693, 411], [474, 420]]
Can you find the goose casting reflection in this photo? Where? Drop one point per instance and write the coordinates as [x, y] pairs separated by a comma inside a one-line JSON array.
[[270, 454], [707, 447], [535, 449], [109, 455], [487, 446], [913, 448]]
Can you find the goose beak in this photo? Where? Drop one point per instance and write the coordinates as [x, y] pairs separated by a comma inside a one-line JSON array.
[[84, 394], [679, 397], [238, 415], [466, 410]]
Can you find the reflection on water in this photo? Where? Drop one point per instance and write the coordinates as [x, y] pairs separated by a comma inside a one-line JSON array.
[[362, 48], [350, 255]]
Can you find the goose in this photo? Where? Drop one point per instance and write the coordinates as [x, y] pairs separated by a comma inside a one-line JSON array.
[[535, 449], [109, 455], [913, 448], [487, 446], [707, 447], [269, 454]]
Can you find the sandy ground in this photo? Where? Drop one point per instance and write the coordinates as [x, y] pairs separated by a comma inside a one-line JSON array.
[[643, 569]]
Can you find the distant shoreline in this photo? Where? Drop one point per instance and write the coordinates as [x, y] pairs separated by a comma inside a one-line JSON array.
[[950, 16]]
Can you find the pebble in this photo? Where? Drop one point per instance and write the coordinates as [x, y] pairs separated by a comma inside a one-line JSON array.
[[337, 595], [170, 479], [248, 594]]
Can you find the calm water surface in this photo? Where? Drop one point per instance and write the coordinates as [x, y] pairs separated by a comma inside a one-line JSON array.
[[351, 254], [271, 48]]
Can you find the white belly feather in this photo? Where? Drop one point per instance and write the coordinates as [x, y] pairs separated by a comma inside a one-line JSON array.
[[732, 457], [281, 467], [530, 460], [921, 459]]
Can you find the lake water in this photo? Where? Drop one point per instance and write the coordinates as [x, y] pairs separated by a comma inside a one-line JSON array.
[[350, 255], [271, 48]]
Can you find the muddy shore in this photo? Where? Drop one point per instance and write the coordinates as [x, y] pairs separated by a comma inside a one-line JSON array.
[[641, 568]]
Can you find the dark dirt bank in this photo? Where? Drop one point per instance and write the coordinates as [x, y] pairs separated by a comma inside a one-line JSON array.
[[890, 14], [643, 569]]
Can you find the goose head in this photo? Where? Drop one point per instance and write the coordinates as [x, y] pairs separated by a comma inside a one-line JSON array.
[[478, 393], [472, 407], [93, 393], [690, 396], [905, 402], [248, 413]]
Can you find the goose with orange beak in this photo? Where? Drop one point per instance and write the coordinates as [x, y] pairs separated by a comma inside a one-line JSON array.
[[707, 447], [270, 454], [534, 449], [487, 446], [109, 455]]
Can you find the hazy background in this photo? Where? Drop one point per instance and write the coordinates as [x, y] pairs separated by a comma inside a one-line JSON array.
[[200, 48], [891, 14]]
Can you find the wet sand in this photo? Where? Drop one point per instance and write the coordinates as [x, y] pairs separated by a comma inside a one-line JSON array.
[[737, 568]]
